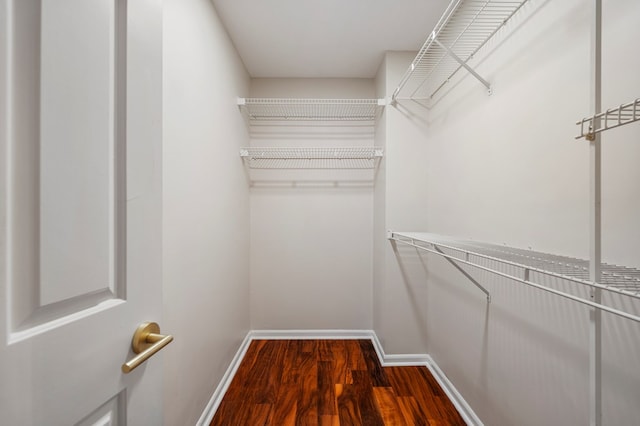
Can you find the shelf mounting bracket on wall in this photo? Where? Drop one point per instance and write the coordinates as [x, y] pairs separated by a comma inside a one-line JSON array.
[[432, 247], [464, 64]]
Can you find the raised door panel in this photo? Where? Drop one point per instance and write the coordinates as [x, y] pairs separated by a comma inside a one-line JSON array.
[[81, 65], [68, 160]]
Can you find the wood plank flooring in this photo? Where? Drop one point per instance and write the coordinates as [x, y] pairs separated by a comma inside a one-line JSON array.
[[330, 382]]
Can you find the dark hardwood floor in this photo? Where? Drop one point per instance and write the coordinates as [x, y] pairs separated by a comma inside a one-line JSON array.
[[330, 382]]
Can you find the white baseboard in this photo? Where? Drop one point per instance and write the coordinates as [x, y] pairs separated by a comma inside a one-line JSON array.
[[393, 360], [218, 394], [310, 334], [458, 401], [386, 360], [465, 410]]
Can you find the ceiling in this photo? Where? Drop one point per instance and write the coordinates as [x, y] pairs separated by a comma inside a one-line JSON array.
[[325, 38]]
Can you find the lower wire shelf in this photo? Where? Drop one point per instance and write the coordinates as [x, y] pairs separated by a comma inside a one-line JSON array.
[[311, 157], [529, 267]]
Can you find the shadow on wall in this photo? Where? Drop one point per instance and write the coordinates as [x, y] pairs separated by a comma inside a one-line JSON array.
[[414, 110], [536, 338], [621, 355], [418, 305], [417, 110], [408, 258]]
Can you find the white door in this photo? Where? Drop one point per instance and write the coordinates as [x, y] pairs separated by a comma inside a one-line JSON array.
[[80, 209]]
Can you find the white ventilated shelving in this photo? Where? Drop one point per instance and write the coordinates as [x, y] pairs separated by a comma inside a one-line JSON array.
[[463, 29], [311, 157], [282, 109], [529, 267], [260, 111], [610, 119]]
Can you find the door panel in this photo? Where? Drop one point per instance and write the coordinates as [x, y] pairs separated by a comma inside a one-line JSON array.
[[80, 216], [71, 215], [79, 76], [109, 414]]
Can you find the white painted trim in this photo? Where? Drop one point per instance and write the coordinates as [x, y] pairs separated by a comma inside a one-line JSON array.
[[456, 398], [386, 360], [214, 402], [377, 346], [395, 360], [311, 334], [19, 336]]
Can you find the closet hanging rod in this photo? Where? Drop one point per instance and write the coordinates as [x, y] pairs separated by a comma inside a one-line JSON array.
[[610, 119], [621, 280], [312, 153], [311, 157]]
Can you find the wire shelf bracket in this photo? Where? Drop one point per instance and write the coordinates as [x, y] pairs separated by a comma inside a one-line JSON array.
[[610, 119], [311, 158], [531, 267], [463, 29]]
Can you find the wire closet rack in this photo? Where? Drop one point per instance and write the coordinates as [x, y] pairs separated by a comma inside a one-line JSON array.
[[311, 158], [463, 29], [529, 267], [610, 119], [281, 109]]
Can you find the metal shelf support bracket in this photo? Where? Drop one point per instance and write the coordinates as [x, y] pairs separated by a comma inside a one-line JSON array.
[[465, 65]]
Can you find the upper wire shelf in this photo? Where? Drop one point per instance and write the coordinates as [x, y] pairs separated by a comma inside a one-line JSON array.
[[311, 158], [463, 29], [281, 109], [610, 119], [529, 267]]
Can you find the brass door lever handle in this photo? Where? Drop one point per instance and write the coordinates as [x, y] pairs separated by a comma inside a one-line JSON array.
[[146, 342]]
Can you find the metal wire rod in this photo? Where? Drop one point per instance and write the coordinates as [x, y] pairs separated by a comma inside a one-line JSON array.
[[463, 272], [394, 237], [311, 157], [446, 16], [611, 275], [473, 251], [463, 63]]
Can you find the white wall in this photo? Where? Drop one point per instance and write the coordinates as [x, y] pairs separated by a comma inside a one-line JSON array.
[[206, 207], [400, 204], [501, 169], [311, 242], [505, 169], [379, 206]]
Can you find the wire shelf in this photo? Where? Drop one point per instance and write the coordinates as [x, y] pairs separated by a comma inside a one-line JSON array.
[[280, 109], [610, 119], [463, 29], [529, 267], [311, 158]]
